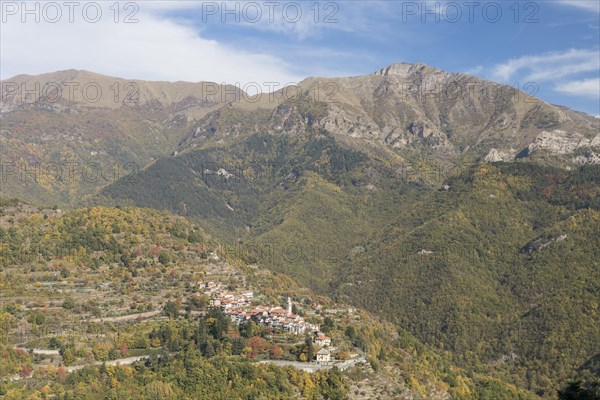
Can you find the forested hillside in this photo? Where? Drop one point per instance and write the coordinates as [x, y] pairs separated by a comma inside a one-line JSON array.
[[491, 264], [501, 269], [70, 282]]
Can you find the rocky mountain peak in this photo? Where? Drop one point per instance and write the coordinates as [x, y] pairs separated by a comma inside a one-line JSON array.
[[405, 69]]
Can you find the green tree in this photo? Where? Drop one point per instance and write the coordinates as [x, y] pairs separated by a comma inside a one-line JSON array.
[[237, 346], [164, 257], [68, 303], [351, 333], [310, 348], [68, 355], [249, 329], [194, 237], [158, 390], [171, 310], [37, 318], [328, 325], [334, 387]]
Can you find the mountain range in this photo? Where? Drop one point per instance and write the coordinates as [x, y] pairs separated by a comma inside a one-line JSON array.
[[459, 209]]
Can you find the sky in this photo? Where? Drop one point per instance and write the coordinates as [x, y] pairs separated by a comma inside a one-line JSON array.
[[549, 48]]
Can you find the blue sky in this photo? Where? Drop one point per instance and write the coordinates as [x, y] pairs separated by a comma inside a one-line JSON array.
[[554, 44]]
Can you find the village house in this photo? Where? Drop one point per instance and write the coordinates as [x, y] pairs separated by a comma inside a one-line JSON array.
[[322, 340], [323, 356]]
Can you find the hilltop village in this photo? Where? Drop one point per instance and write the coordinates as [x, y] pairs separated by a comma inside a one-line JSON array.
[[241, 308]]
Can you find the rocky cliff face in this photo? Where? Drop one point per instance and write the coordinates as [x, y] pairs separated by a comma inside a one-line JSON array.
[[561, 143], [496, 155]]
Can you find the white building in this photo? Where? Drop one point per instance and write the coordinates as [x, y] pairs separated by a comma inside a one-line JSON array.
[[323, 356], [322, 340]]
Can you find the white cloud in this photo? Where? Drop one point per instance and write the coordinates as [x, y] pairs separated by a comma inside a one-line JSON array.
[[571, 72], [475, 70], [302, 19], [155, 48], [297, 19], [585, 87], [590, 5], [549, 66]]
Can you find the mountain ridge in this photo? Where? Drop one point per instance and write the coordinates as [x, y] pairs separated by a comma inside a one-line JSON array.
[[114, 92], [419, 109], [401, 114]]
